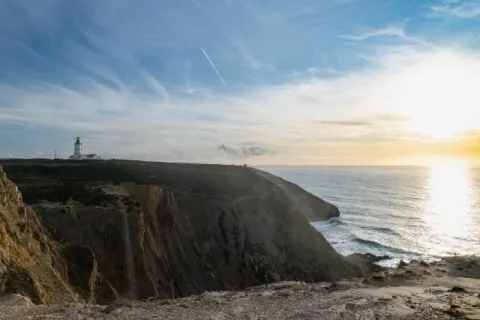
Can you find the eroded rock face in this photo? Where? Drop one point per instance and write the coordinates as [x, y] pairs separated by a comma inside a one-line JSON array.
[[171, 230], [32, 264], [26, 253]]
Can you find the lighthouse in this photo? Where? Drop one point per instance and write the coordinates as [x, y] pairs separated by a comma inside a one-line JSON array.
[[77, 148], [77, 152]]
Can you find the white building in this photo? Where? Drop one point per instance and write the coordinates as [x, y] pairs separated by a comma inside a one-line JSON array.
[[77, 152]]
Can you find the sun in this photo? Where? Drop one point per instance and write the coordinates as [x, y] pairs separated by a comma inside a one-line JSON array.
[[439, 125], [440, 96]]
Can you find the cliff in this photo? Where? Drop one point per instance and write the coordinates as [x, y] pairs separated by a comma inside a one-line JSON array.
[[34, 265], [312, 207], [26, 253], [171, 230]]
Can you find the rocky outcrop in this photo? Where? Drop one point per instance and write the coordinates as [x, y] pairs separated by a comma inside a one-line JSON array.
[[26, 252], [172, 230], [34, 265]]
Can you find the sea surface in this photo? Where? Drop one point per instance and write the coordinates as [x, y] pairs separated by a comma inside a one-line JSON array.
[[404, 212]]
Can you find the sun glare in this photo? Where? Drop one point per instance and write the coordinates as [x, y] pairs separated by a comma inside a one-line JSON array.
[[439, 96], [440, 125]]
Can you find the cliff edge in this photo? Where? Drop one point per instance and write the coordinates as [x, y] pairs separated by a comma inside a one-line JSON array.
[[173, 230]]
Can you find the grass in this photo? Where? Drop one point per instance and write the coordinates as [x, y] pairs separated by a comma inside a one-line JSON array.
[[60, 180]]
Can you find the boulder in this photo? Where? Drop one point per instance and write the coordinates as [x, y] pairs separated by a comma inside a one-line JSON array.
[[15, 300]]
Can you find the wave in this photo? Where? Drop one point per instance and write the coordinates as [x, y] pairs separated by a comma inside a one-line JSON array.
[[385, 230], [383, 247], [336, 221], [332, 222]]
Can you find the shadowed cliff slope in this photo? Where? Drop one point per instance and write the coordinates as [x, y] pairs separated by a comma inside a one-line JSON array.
[[170, 230]]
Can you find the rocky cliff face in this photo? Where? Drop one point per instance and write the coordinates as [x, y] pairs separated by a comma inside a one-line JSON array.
[[34, 265], [171, 230], [27, 255]]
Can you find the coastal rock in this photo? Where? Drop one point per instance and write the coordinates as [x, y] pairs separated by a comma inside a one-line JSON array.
[[366, 262], [33, 265], [26, 252], [82, 270], [15, 300], [172, 230]]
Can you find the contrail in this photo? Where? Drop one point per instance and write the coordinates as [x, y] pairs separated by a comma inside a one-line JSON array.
[[214, 68]]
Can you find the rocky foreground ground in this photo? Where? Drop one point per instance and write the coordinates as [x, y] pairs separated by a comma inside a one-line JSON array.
[[449, 289]]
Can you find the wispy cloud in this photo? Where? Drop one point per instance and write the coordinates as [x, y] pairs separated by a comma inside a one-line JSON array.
[[397, 31], [28, 49], [460, 9], [294, 87], [214, 68], [157, 87], [122, 122], [371, 121], [348, 123], [244, 52], [250, 151]]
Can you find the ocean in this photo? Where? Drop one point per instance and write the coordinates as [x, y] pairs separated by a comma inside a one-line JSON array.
[[405, 212]]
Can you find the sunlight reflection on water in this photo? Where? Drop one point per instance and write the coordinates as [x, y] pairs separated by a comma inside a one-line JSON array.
[[403, 212], [447, 211]]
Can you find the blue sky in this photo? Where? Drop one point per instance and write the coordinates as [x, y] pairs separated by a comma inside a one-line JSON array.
[[234, 81]]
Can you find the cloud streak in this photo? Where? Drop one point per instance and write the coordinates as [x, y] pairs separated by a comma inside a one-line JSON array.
[[250, 151], [247, 56], [157, 87], [214, 68], [459, 9], [390, 31], [372, 33], [348, 123], [366, 122]]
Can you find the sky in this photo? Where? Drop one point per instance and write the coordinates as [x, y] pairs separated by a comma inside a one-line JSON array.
[[305, 82]]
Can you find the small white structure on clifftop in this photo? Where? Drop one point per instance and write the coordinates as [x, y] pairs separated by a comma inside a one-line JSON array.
[[77, 152]]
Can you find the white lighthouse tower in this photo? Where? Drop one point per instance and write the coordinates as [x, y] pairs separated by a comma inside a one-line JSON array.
[[77, 148], [77, 152]]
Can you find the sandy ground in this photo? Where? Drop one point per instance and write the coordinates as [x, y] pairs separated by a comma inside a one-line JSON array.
[[449, 289]]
